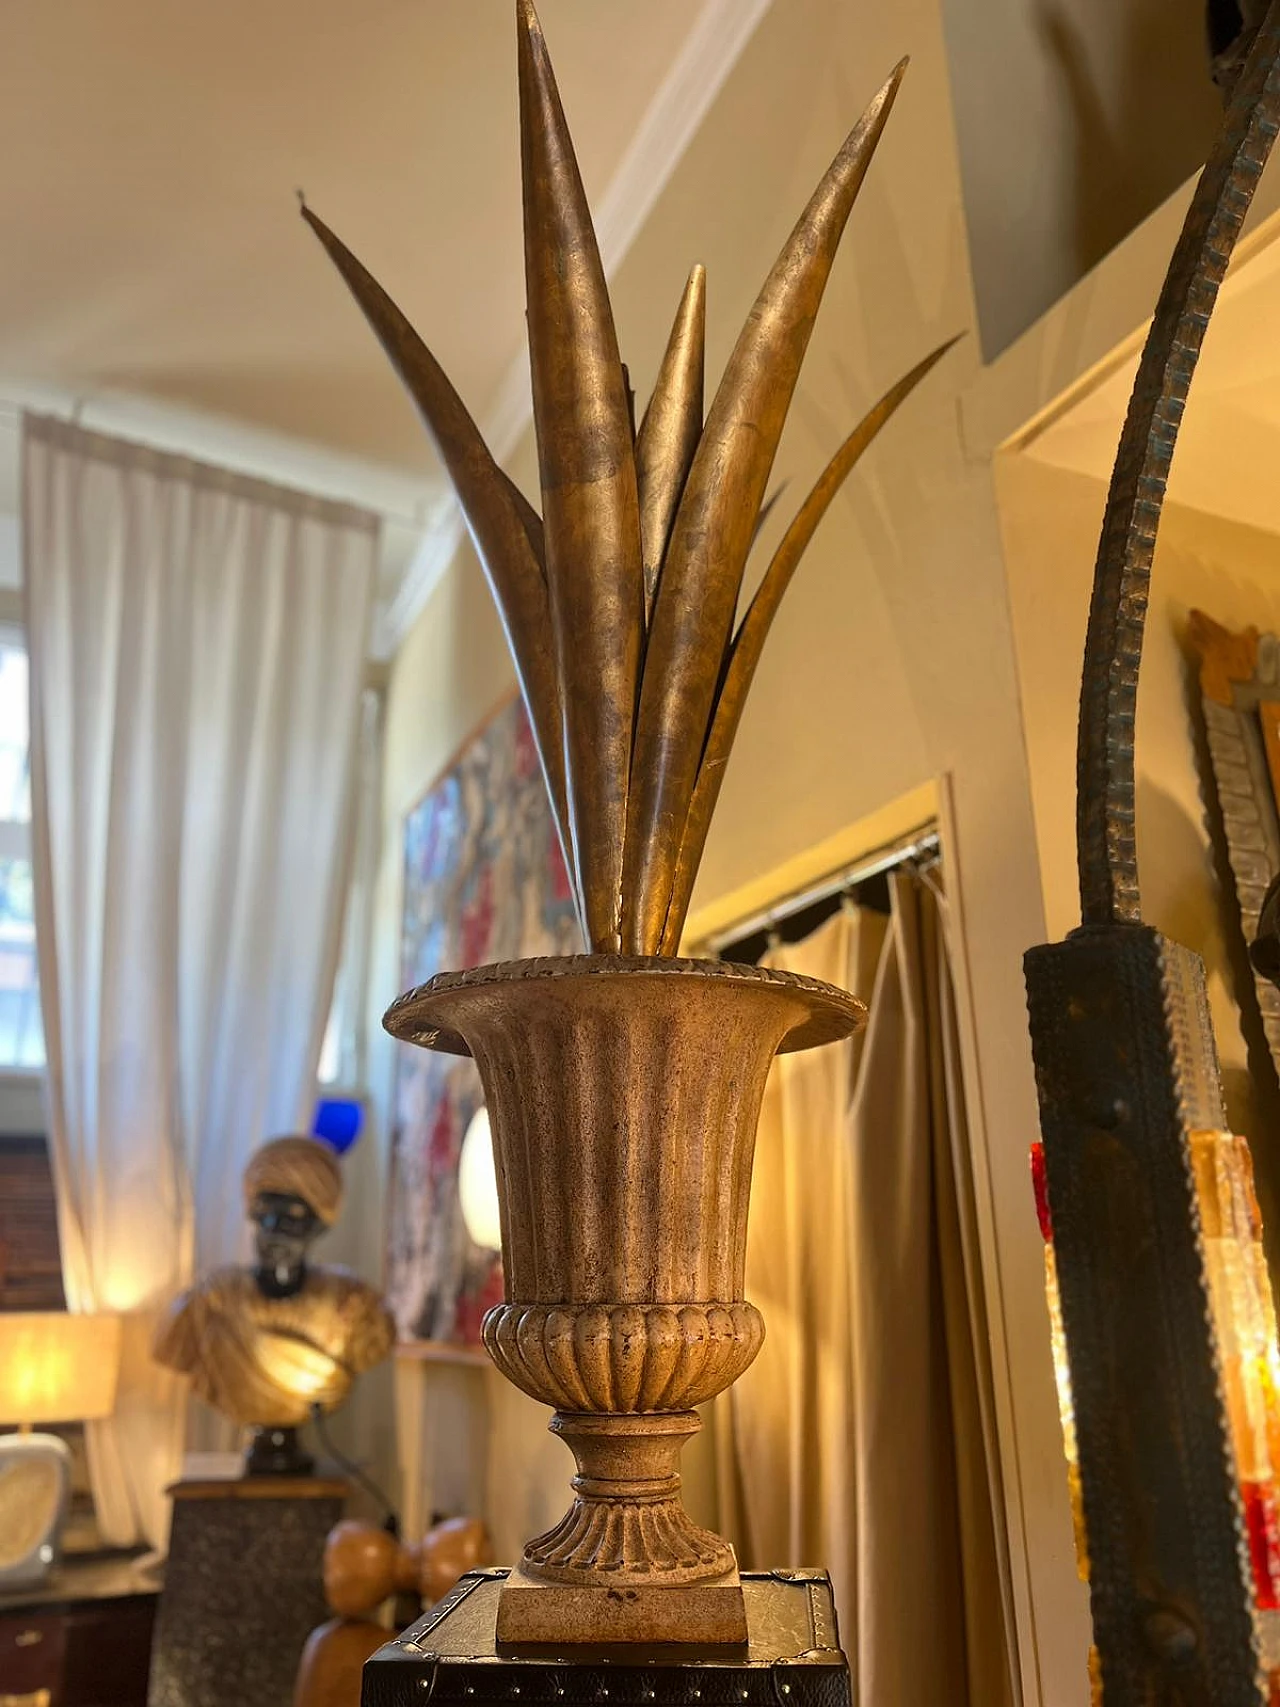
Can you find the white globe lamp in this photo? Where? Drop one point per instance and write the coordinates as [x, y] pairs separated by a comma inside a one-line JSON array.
[[478, 1183]]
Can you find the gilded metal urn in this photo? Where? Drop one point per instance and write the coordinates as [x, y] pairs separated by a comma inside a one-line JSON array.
[[624, 1085], [623, 1093]]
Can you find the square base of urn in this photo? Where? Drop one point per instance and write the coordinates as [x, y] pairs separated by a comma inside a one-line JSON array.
[[707, 1613]]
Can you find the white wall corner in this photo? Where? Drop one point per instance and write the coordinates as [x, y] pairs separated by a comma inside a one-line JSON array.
[[440, 541]]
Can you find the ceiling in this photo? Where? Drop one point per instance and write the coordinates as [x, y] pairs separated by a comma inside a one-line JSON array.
[[1229, 441], [156, 271]]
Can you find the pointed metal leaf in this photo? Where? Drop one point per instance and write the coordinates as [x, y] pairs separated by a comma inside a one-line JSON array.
[[670, 430], [502, 523], [530, 520], [753, 631], [701, 577], [586, 453]]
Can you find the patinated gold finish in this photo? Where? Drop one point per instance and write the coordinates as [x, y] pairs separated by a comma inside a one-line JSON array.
[[624, 1095], [748, 644], [620, 603], [624, 1086], [697, 597], [591, 507], [670, 431]]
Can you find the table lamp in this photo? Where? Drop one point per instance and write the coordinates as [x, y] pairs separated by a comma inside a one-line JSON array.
[[54, 1367]]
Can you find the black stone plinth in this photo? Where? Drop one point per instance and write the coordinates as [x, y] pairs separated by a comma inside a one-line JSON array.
[[792, 1658], [243, 1590]]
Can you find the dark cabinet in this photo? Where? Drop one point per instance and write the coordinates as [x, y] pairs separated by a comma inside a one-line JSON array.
[[76, 1645]]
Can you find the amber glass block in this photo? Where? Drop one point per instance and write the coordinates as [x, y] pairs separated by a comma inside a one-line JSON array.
[[1244, 1320], [1264, 1542], [1061, 1368]]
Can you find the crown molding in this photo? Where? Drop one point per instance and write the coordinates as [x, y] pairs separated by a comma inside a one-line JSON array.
[[672, 119], [425, 570], [697, 74]]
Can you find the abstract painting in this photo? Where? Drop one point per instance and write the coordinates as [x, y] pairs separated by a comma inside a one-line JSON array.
[[484, 880]]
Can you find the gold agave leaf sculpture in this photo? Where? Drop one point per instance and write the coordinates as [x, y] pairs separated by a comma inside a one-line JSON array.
[[624, 1085], [619, 602]]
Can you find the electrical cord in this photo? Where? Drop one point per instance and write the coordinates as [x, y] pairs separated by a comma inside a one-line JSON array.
[[391, 1522]]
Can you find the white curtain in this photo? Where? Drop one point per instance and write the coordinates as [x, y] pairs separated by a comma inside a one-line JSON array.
[[862, 1439], [197, 644]]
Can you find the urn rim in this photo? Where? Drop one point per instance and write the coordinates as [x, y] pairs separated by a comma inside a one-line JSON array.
[[421, 1015]]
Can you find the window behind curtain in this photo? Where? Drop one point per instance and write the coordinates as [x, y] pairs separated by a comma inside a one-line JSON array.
[[21, 1033]]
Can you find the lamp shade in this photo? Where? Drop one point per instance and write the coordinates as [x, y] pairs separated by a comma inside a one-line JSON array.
[[478, 1183], [56, 1367]]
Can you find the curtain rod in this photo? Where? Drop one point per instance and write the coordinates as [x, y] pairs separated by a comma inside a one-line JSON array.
[[320, 483], [911, 846]]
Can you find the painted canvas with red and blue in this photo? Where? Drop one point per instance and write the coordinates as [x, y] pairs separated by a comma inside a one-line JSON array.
[[484, 880]]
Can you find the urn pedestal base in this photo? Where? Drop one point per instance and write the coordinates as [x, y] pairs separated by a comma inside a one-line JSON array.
[[706, 1614], [626, 1563]]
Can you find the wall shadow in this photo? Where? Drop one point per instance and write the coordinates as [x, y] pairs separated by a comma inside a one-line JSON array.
[[1142, 130]]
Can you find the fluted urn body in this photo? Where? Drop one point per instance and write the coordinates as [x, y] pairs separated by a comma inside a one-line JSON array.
[[623, 1095]]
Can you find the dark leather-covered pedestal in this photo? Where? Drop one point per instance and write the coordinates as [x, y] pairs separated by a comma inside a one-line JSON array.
[[450, 1658]]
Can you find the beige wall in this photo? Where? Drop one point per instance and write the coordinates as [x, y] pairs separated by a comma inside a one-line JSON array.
[[1075, 119], [1051, 518], [896, 661]]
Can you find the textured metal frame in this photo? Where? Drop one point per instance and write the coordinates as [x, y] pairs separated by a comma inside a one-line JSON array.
[[1239, 673], [1122, 576], [1126, 1072]]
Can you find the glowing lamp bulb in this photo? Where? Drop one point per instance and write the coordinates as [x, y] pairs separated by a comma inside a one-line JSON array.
[[478, 1183]]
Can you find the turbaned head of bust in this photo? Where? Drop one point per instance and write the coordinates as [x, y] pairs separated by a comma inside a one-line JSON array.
[[266, 1344]]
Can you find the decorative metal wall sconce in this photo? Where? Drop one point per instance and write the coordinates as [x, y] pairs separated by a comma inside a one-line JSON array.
[[624, 1085], [1130, 1102]]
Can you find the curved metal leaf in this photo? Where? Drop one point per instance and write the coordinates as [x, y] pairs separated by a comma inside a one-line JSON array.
[[591, 518], [754, 630], [701, 577], [530, 520], [670, 430], [497, 515]]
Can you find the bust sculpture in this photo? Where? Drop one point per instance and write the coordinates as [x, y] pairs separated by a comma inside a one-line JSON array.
[[264, 1345]]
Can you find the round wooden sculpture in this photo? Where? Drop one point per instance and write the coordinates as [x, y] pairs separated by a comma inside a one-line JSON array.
[[363, 1566], [449, 1550], [624, 1094]]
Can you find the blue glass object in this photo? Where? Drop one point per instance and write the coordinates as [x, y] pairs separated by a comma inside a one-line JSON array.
[[338, 1122]]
